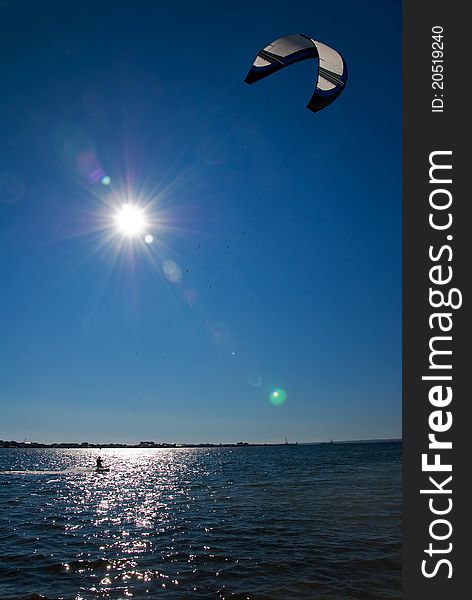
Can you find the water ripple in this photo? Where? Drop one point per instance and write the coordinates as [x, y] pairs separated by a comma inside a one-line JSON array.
[[298, 522]]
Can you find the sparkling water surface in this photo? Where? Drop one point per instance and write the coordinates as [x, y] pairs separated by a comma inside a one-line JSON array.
[[260, 523]]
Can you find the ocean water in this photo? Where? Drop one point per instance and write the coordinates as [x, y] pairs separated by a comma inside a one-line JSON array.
[[261, 523]]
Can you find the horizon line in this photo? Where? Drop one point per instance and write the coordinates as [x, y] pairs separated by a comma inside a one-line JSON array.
[[152, 444]]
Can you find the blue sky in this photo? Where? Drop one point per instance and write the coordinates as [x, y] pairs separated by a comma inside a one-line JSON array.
[[284, 225]]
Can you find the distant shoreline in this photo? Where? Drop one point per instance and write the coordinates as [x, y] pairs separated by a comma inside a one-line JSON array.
[[144, 445]]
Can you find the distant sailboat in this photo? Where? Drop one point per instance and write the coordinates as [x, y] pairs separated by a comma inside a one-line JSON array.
[[331, 441]]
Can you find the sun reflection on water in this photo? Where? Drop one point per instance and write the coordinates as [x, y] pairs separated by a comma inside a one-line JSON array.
[[146, 493]]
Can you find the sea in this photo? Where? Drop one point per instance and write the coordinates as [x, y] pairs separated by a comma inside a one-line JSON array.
[[314, 521]]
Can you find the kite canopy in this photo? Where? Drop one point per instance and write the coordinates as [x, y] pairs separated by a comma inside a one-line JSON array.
[[331, 70]]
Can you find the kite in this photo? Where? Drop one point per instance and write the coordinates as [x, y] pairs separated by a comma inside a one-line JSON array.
[[331, 69]]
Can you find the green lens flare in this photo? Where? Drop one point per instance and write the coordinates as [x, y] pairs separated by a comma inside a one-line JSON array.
[[278, 396]]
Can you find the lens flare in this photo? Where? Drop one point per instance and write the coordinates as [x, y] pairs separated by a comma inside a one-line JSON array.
[[172, 271], [254, 378], [278, 396], [190, 296], [148, 238]]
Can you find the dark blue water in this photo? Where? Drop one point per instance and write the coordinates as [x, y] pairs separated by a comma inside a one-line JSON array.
[[295, 522]]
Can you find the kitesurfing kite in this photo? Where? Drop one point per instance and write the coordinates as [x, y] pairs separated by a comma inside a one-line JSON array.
[[331, 70]]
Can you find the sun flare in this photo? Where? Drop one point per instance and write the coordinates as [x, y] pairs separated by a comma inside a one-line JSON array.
[[130, 220]]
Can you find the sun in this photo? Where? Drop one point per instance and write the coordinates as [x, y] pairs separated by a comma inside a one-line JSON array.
[[130, 220]]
